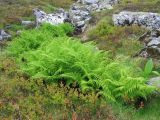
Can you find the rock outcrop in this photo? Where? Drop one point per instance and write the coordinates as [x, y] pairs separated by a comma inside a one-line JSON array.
[[79, 13], [146, 19]]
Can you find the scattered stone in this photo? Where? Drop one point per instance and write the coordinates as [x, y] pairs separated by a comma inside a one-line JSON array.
[[79, 14], [4, 35]]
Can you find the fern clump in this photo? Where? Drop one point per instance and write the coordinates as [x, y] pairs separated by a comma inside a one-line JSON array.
[[32, 39], [48, 54], [66, 59]]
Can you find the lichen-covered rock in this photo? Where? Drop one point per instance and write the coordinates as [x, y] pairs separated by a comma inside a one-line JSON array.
[[146, 19], [55, 18]]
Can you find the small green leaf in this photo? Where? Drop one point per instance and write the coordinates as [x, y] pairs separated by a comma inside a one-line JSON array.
[[156, 73], [148, 68]]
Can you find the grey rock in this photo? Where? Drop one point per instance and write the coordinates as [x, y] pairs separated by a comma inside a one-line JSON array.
[[89, 1], [27, 23], [1, 38], [4, 35], [155, 44], [149, 20], [54, 18], [155, 82]]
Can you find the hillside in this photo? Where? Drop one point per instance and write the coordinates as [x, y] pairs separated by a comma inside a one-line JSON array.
[[79, 59]]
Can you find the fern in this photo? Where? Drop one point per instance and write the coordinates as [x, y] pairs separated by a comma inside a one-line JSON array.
[[48, 53], [33, 39]]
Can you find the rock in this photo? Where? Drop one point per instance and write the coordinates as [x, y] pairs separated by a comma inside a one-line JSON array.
[[54, 18], [27, 23], [1, 38], [4, 35], [154, 44], [88, 1], [146, 19], [79, 14], [155, 82], [100, 2]]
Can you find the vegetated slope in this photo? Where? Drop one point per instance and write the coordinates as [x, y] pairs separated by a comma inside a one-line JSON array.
[[53, 59], [52, 76]]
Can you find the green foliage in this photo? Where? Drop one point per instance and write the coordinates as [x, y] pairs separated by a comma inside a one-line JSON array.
[[102, 29], [54, 58], [32, 39], [148, 68], [149, 112], [117, 39], [66, 59], [128, 47], [123, 81]]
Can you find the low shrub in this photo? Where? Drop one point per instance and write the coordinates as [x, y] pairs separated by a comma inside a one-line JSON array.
[[102, 29], [24, 99]]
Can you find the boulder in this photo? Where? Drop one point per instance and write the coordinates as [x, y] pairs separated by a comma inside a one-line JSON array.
[[154, 44], [55, 18], [27, 23], [79, 16], [155, 82], [88, 1], [4, 35]]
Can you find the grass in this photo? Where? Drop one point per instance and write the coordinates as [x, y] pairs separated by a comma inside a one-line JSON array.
[[149, 112], [13, 11]]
